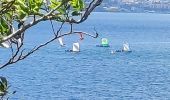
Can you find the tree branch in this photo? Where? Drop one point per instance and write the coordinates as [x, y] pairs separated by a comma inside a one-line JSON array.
[[6, 8], [34, 22], [23, 56], [20, 54], [87, 12], [48, 16]]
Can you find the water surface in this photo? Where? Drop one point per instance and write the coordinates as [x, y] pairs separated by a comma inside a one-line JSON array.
[[95, 73]]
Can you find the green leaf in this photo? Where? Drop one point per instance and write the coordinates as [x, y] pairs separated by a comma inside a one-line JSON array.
[[4, 81], [22, 9], [77, 4], [75, 13], [35, 5], [3, 86], [54, 4], [4, 28]]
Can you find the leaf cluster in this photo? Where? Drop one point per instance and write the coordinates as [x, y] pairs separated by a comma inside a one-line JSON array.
[[19, 11], [3, 86]]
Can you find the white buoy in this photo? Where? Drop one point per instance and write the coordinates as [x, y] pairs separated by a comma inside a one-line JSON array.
[[61, 41], [6, 44], [126, 47], [112, 52], [19, 41], [76, 47]]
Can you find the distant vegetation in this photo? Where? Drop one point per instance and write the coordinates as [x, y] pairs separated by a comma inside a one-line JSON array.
[[136, 6]]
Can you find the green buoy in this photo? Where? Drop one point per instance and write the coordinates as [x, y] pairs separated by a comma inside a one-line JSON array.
[[105, 42]]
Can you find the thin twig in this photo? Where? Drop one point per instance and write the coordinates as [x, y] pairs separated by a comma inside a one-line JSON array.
[[22, 54]]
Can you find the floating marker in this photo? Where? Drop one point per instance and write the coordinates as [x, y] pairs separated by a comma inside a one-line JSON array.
[[76, 47], [126, 47], [19, 41], [5, 44], [112, 52], [105, 42], [81, 36], [61, 41]]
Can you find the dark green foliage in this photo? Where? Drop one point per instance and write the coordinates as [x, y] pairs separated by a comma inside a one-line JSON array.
[[3, 86]]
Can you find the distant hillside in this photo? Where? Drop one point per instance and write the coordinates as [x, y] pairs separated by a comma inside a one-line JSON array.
[[161, 6]]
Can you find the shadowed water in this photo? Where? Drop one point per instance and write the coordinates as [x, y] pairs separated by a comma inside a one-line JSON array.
[[95, 73]]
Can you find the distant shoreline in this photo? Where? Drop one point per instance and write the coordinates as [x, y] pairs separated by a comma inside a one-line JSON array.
[[132, 12]]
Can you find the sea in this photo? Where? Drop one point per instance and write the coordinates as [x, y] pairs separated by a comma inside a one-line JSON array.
[[95, 73]]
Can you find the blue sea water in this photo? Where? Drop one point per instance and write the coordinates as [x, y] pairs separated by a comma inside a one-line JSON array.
[[95, 73]]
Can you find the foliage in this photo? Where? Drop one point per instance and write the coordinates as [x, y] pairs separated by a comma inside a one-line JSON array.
[[3, 86], [17, 16], [17, 11]]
